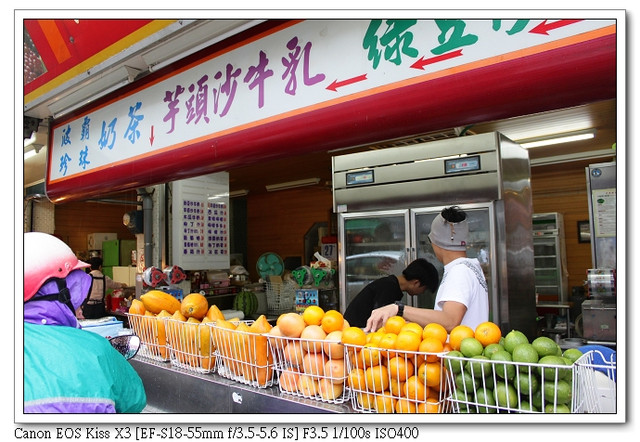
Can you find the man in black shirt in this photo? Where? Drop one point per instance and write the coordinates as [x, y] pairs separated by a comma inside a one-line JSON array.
[[419, 276]]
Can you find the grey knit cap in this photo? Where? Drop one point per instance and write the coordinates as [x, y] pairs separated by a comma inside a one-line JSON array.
[[449, 236]]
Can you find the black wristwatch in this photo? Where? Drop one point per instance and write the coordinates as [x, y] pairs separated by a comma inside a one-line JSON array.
[[400, 308]]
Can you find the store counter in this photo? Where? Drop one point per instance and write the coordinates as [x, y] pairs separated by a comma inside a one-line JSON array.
[[171, 389]]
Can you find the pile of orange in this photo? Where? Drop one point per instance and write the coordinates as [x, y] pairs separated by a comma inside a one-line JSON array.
[[310, 353], [398, 368]]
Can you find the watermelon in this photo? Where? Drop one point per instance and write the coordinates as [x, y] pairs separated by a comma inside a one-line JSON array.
[[246, 301]]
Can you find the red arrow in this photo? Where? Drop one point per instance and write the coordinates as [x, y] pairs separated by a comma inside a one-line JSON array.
[[151, 138], [336, 84], [420, 64], [544, 27]]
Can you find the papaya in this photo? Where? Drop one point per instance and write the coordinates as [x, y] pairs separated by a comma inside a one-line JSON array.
[[206, 345], [194, 305], [162, 334], [189, 339], [156, 300], [214, 313], [259, 354], [137, 307], [241, 351], [148, 333]]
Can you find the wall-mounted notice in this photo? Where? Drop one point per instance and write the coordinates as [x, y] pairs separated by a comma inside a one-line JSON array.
[[200, 219]]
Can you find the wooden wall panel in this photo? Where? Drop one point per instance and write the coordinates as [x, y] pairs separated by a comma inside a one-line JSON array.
[[278, 221], [76, 220]]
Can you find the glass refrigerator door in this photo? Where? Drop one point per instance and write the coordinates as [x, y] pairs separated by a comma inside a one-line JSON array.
[[372, 245], [481, 245]]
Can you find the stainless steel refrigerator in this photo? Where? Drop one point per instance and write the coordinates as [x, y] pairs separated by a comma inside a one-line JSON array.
[[386, 199]]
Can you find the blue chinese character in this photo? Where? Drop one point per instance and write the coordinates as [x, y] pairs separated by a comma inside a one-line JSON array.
[[132, 132], [66, 136], [83, 158], [108, 135], [64, 161], [84, 134]]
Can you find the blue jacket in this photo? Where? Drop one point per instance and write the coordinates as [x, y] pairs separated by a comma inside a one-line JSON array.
[[60, 374]]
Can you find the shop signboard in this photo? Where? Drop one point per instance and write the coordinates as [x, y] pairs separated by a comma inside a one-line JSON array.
[[297, 68]]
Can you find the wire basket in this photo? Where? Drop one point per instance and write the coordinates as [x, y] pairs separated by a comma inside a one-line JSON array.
[[243, 356], [281, 296], [152, 333], [495, 386], [191, 345], [594, 383], [311, 368], [394, 381]]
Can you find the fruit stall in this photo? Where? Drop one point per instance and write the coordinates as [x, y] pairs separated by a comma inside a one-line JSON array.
[[313, 361]]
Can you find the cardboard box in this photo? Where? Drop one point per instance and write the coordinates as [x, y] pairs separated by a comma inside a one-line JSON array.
[[94, 240]]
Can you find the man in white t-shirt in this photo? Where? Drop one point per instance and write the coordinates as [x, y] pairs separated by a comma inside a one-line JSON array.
[[463, 296]]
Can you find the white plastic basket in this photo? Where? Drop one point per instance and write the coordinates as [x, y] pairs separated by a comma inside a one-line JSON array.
[[408, 387], [492, 386], [152, 333], [190, 345], [311, 368], [281, 296], [243, 356], [594, 383]]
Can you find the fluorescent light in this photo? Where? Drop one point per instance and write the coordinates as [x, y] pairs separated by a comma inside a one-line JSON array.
[[236, 193], [204, 34], [292, 184], [557, 139], [580, 156], [94, 89]]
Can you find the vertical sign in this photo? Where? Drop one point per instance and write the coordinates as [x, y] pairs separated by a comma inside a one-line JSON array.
[[201, 222]]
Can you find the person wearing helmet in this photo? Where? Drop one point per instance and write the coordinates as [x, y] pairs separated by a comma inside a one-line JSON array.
[[67, 369]]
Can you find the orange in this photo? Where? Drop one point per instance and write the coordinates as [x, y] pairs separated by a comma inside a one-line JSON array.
[[430, 374], [458, 333], [414, 389], [335, 370], [332, 345], [307, 385], [412, 326], [345, 324], [377, 378], [368, 356], [400, 368], [332, 321], [366, 400], [405, 406], [329, 390], [488, 333], [313, 364], [388, 342], [408, 341], [354, 336], [430, 346], [289, 380], [293, 353], [385, 403], [312, 315], [291, 324], [436, 331], [313, 337], [446, 347], [430, 406], [394, 324], [356, 379], [395, 387], [373, 338], [276, 338]]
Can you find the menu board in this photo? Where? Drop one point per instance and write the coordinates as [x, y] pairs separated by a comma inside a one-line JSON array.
[[200, 219]]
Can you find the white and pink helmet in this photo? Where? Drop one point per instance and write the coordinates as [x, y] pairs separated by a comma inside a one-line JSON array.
[[46, 257]]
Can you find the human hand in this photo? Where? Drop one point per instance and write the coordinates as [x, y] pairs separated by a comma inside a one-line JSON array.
[[379, 317]]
